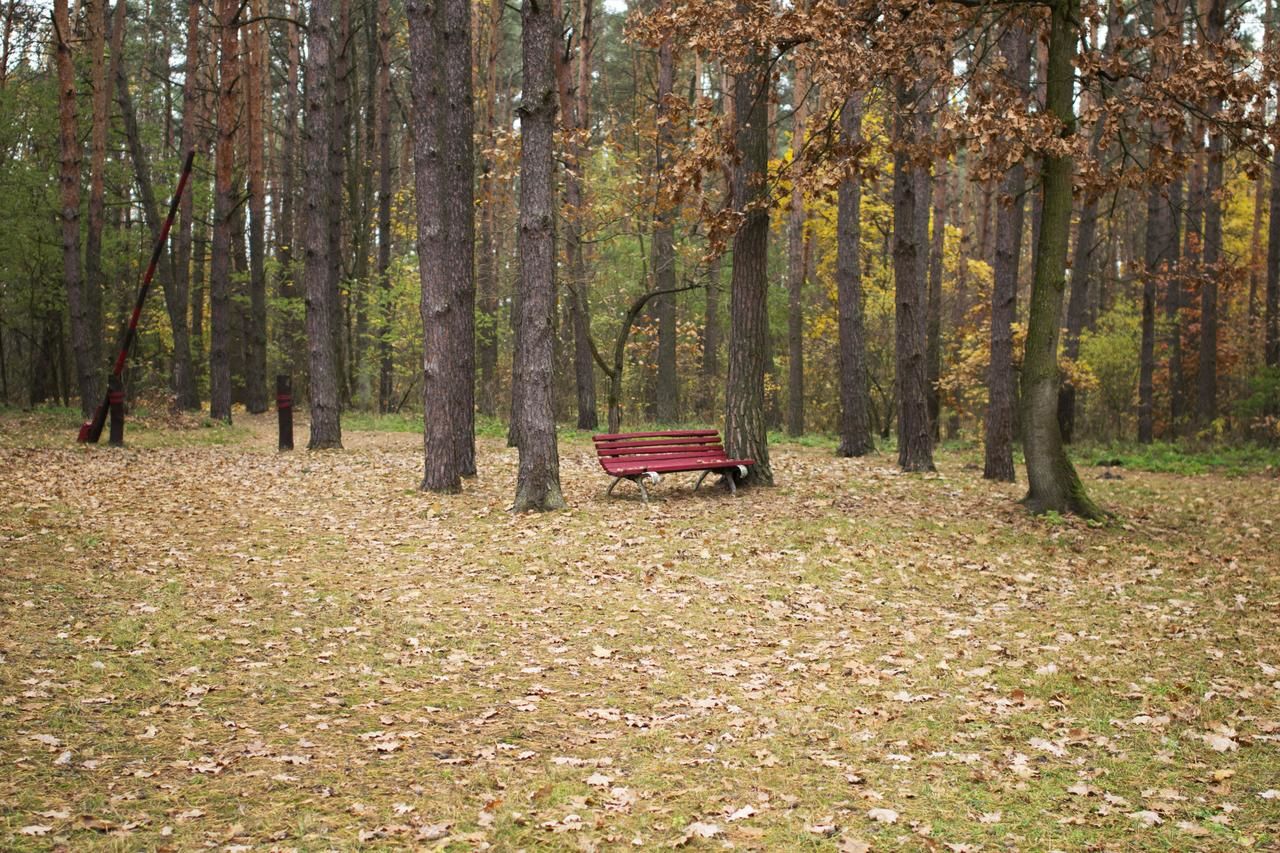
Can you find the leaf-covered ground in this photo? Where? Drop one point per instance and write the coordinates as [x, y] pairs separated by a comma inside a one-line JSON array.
[[209, 644]]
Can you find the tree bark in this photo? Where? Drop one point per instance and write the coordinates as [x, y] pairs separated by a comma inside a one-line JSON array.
[[440, 47], [1053, 482], [538, 479], [915, 447], [1271, 312], [1207, 377], [255, 379], [575, 92], [487, 263], [326, 426], [84, 336], [855, 399], [662, 251], [95, 13], [339, 138], [744, 433], [1015, 45], [188, 393], [933, 329], [796, 260], [386, 366], [224, 211], [287, 238]]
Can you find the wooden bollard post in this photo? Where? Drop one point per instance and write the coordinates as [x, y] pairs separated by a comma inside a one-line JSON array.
[[284, 408], [115, 400]]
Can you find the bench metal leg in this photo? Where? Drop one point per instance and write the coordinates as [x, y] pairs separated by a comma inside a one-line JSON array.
[[616, 481], [700, 479], [639, 481], [728, 478]]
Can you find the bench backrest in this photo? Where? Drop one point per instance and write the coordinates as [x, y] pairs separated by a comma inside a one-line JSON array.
[[665, 446]]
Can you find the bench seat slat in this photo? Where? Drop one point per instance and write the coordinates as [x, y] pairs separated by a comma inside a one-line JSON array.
[[671, 467]]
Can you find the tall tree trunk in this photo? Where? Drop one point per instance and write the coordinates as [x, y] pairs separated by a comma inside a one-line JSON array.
[[744, 432], [538, 479], [386, 366], [487, 264], [339, 137], [287, 238], [662, 251], [1207, 378], [440, 47], [1053, 482], [84, 336], [188, 393], [915, 448], [255, 379], [1015, 45], [1271, 302], [224, 212], [326, 426], [1271, 311], [933, 325], [459, 140], [95, 12], [796, 261], [855, 399], [1161, 251], [575, 93]]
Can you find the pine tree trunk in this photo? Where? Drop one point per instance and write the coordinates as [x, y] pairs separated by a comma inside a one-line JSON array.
[[255, 378], [796, 262], [95, 13], [1015, 45], [340, 134], [386, 366], [933, 327], [287, 237], [745, 435], [326, 426], [487, 263], [855, 400], [915, 447], [224, 212], [538, 479], [1207, 378], [184, 365], [430, 170], [1271, 311], [84, 336], [1053, 482], [663, 255]]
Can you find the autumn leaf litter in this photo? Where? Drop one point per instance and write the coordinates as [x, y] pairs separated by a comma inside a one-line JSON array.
[[222, 646]]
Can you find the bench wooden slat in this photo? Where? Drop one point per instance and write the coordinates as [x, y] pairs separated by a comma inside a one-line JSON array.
[[661, 448], [623, 469], [653, 442], [670, 433]]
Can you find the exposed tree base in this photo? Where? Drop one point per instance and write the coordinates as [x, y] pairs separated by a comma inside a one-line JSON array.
[[454, 488], [1072, 499], [853, 449], [529, 498]]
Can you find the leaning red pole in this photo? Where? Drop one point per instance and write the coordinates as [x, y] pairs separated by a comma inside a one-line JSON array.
[[91, 430]]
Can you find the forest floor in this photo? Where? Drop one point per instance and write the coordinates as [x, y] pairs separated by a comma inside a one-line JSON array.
[[209, 644]]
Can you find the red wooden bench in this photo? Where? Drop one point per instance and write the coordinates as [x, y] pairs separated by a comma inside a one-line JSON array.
[[644, 456]]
